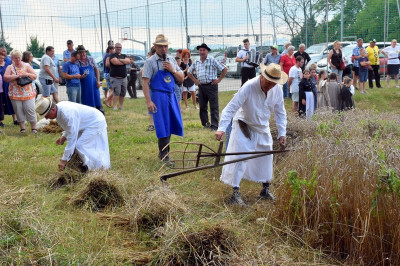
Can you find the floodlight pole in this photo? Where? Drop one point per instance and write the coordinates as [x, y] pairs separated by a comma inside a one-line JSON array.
[[260, 26], [341, 20], [186, 27]]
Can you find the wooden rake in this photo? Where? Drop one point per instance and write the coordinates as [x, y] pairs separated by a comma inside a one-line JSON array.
[[203, 157]]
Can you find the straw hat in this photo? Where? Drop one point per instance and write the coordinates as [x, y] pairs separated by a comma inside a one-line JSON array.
[[43, 106], [161, 40], [274, 73]]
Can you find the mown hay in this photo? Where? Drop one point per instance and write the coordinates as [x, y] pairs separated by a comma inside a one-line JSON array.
[[98, 194], [53, 127], [340, 190], [66, 177], [209, 244], [149, 211]]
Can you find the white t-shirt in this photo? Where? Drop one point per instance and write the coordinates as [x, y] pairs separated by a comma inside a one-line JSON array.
[[241, 54], [352, 91], [393, 55], [296, 74]]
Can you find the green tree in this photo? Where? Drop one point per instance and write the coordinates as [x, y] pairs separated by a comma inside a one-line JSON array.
[[7, 45], [35, 48]]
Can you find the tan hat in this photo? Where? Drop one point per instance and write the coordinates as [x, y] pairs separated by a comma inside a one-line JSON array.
[[43, 106], [161, 40], [273, 72]]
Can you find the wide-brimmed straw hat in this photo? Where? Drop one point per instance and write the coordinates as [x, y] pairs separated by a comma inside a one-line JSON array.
[[161, 40], [43, 106], [273, 72]]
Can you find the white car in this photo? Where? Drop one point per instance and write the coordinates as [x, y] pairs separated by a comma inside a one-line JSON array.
[[321, 51], [36, 68]]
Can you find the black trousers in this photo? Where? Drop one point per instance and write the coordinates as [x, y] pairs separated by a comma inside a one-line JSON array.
[[374, 73], [1, 106], [132, 86], [162, 142], [247, 73], [209, 93]]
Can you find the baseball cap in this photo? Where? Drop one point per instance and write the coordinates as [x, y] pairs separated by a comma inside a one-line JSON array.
[[274, 46], [69, 42], [372, 40]]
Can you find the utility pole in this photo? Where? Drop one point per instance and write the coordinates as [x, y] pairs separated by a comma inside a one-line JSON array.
[[273, 20], [148, 25], [260, 26]]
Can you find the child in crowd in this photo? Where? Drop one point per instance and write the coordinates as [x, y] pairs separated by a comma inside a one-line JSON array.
[[346, 94], [306, 95], [322, 91], [178, 86], [334, 91], [314, 79], [363, 70]]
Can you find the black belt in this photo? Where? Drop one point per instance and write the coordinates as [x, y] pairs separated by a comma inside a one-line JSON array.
[[205, 84]]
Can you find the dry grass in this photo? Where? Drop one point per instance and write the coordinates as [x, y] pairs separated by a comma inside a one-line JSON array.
[[66, 177], [341, 193], [53, 127], [98, 192]]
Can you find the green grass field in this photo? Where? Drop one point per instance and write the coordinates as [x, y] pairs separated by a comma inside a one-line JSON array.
[[39, 224]]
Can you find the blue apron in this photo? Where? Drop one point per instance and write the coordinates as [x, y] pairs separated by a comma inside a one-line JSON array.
[[90, 94], [167, 119]]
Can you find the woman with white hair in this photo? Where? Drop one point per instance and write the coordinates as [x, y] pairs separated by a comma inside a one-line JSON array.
[[287, 61], [286, 44], [302, 52], [21, 91]]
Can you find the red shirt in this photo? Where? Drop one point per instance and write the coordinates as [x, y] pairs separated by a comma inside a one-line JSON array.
[[287, 62]]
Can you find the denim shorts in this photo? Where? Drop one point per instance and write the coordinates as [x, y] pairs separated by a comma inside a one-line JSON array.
[[107, 77], [178, 92], [47, 89], [363, 76]]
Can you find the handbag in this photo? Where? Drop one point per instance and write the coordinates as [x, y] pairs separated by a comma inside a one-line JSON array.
[[342, 65], [23, 81]]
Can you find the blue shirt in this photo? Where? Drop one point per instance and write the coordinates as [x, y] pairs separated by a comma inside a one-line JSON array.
[[269, 58], [57, 64], [356, 52], [106, 69], [67, 54], [71, 69], [8, 60]]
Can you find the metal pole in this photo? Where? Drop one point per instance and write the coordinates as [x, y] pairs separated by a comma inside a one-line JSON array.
[[261, 42], [3, 41], [273, 19], [247, 15], [148, 24], [305, 22], [341, 19], [80, 22], [108, 21], [201, 24], [119, 31], [162, 17], [384, 41], [186, 26], [101, 30], [327, 36], [52, 30], [131, 29], [26, 32], [180, 2], [222, 18]]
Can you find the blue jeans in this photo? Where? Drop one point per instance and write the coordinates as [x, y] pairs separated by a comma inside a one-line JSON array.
[[339, 72], [285, 90], [74, 93]]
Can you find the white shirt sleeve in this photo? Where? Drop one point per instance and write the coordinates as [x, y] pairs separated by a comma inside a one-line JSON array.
[[280, 113], [352, 91], [71, 134], [292, 72], [230, 110]]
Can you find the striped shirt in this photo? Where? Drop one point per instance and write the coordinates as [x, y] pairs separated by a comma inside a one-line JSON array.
[[206, 72], [155, 63]]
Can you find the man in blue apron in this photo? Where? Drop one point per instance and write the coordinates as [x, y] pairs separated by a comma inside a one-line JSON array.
[[159, 74]]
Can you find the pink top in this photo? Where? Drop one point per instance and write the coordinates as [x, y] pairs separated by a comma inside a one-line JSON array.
[[16, 92], [1, 84]]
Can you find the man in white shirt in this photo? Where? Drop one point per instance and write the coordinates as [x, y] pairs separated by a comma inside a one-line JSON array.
[[295, 75], [85, 130], [248, 71], [251, 108]]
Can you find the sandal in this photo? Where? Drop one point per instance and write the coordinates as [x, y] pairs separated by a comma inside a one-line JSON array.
[[34, 131], [106, 103], [22, 131], [150, 128]]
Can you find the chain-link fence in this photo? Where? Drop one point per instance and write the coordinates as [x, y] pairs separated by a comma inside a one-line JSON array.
[[222, 24]]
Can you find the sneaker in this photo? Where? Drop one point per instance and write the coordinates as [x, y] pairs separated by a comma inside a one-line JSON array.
[[207, 126], [236, 198], [150, 128], [397, 86], [266, 194]]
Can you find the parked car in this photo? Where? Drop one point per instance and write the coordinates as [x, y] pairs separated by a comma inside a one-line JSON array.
[[234, 68], [36, 68], [321, 51]]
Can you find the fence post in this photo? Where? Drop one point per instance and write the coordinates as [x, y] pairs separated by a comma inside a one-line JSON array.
[[101, 30], [260, 27], [80, 22], [52, 30]]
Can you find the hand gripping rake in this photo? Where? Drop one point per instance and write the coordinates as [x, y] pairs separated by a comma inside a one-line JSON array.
[[203, 157]]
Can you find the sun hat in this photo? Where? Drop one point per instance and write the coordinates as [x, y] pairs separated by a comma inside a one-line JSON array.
[[43, 106], [273, 72], [161, 40], [203, 45]]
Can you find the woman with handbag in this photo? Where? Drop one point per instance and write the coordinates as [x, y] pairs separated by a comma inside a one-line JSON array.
[[335, 60], [4, 99], [21, 92]]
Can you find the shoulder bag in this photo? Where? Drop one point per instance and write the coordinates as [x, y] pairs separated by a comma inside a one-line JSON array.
[[23, 81]]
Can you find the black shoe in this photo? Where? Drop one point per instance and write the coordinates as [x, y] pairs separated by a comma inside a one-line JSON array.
[[236, 198], [16, 123], [207, 125], [1, 124], [213, 128], [168, 162], [266, 194]]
